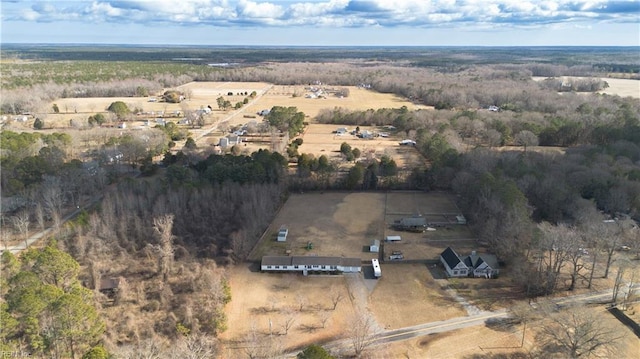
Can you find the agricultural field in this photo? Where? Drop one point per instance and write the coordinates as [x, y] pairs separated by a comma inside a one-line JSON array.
[[345, 224], [620, 87]]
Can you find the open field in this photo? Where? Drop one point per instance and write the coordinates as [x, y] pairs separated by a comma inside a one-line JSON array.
[[345, 224], [320, 140], [620, 87], [203, 94]]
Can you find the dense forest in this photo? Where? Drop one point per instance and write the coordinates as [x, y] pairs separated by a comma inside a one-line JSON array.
[[555, 170]]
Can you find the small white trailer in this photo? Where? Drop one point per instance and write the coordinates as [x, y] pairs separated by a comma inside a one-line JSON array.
[[394, 238], [376, 268]]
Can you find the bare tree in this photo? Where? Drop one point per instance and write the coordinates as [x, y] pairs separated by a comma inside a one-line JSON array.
[[573, 246], [39, 213], [362, 328], [289, 317], [301, 300], [618, 283], [610, 237], [53, 198], [273, 301], [21, 224], [577, 332], [195, 347], [336, 296], [163, 227], [526, 138], [324, 318]]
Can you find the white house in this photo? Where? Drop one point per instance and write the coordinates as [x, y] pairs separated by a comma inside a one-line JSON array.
[[476, 265], [306, 264], [452, 263]]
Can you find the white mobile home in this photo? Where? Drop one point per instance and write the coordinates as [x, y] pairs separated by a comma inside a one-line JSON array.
[[394, 238], [306, 264]]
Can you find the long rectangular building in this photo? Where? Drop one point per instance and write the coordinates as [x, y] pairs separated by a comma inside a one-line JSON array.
[[306, 264]]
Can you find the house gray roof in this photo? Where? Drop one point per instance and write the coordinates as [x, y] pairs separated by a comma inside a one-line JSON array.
[[474, 260], [451, 257], [311, 260]]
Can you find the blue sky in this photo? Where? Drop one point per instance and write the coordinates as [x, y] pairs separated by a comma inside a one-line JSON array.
[[324, 22]]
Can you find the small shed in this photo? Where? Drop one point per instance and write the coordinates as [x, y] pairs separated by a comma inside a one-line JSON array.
[[460, 219], [282, 234], [375, 246], [394, 238]]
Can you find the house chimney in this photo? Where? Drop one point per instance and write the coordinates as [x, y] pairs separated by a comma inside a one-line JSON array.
[[473, 253]]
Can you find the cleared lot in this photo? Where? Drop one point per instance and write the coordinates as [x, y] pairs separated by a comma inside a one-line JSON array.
[[339, 224]]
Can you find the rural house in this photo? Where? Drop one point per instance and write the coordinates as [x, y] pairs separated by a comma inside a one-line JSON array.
[[477, 265], [484, 265], [306, 264], [452, 263]]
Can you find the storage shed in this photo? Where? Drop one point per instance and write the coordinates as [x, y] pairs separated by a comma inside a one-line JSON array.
[[375, 246], [394, 238], [282, 234]]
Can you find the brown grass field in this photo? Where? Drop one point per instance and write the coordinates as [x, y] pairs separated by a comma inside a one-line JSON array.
[[342, 223], [620, 87]]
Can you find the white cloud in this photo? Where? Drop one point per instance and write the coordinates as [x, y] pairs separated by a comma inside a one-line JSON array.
[[330, 13]]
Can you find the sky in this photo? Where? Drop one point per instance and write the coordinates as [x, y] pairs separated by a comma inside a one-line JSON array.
[[324, 22]]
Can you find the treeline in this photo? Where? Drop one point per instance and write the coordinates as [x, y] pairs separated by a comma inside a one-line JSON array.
[[507, 86]]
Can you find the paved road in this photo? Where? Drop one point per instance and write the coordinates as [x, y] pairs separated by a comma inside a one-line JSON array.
[[15, 249], [389, 336]]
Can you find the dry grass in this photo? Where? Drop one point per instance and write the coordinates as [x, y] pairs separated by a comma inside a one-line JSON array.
[[620, 87], [408, 295], [263, 298]]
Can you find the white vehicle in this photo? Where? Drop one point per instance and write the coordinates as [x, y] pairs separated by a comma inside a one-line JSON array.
[[407, 143], [376, 268]]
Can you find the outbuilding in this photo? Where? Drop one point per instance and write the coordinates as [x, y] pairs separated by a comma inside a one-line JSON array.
[[393, 238], [282, 234], [375, 246]]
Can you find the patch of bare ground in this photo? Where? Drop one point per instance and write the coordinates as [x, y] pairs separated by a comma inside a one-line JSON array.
[[408, 295], [263, 303]]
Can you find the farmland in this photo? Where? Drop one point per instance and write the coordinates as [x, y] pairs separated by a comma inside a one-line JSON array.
[[343, 224]]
